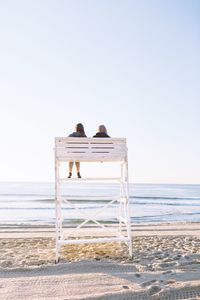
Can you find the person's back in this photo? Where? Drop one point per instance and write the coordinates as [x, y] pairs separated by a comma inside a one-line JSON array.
[[101, 135], [75, 134]]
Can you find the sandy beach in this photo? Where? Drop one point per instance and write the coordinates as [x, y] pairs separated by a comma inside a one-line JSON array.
[[165, 265]]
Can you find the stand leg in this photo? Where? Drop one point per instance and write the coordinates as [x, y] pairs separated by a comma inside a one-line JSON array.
[[58, 210], [120, 204], [127, 208]]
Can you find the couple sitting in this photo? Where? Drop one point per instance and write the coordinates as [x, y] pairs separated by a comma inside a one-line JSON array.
[[80, 132]]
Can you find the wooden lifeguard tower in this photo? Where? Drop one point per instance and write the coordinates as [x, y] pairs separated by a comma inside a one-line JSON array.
[[93, 150]]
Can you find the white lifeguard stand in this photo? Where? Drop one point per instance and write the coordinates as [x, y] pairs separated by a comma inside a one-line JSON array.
[[93, 150]]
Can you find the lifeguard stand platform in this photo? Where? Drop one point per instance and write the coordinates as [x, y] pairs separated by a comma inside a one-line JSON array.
[[93, 150]]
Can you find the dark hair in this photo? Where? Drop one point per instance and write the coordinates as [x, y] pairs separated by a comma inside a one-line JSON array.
[[80, 129]]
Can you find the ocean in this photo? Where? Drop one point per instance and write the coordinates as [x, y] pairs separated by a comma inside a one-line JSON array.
[[33, 204]]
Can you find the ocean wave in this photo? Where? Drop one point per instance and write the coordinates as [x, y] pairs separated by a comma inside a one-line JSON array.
[[25, 195], [165, 203], [43, 197], [50, 208], [165, 198]]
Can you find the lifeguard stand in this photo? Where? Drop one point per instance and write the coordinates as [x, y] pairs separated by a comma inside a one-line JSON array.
[[93, 150]]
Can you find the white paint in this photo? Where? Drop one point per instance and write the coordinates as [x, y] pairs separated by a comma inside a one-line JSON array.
[[93, 150]]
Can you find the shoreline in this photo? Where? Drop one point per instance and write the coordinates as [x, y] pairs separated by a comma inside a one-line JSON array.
[[186, 228]]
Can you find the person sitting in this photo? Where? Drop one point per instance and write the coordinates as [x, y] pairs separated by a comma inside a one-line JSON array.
[[102, 132], [80, 132]]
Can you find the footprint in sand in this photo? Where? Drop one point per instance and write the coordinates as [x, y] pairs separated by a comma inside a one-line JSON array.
[[147, 283]]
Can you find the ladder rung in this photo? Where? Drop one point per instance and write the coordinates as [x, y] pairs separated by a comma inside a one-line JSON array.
[[91, 241], [91, 199], [90, 179]]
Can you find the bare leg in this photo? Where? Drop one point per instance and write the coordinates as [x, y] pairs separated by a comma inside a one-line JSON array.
[[71, 163], [78, 169], [77, 166]]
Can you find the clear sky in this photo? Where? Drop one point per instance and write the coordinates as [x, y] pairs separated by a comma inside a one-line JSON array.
[[131, 65]]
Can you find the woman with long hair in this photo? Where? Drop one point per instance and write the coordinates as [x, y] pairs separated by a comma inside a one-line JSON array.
[[80, 132]]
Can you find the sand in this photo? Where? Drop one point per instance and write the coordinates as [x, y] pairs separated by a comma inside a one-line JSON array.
[[165, 265]]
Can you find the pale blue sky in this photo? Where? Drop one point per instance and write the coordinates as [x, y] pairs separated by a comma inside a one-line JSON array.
[[131, 65]]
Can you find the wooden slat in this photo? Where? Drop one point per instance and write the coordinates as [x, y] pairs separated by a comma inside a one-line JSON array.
[[90, 149]]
